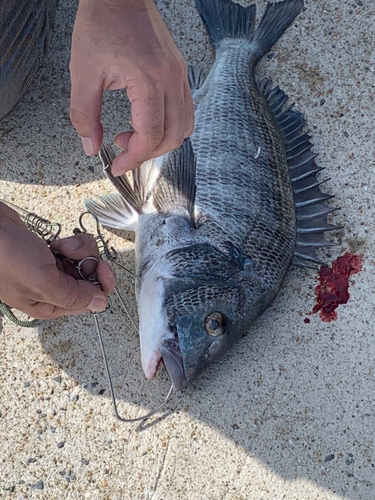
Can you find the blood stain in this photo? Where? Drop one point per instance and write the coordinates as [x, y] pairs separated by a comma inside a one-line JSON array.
[[307, 320], [334, 284]]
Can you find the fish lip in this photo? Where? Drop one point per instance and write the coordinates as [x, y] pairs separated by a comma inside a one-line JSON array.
[[173, 362], [152, 366]]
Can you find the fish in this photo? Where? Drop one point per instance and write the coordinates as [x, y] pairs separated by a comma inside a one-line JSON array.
[[219, 221]]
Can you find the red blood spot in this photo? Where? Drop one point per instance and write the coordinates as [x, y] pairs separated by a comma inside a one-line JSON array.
[[334, 283], [307, 320]]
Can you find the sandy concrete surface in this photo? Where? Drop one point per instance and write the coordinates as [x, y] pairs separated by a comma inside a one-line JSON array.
[[289, 413]]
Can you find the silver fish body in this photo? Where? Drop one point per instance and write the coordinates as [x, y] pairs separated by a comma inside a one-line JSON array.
[[219, 221]]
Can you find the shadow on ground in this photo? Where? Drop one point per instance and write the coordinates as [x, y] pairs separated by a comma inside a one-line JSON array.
[[296, 395], [285, 393]]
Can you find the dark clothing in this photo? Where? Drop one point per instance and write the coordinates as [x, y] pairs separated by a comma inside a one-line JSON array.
[[24, 34]]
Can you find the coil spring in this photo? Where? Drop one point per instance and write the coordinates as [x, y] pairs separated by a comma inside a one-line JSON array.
[[42, 227]]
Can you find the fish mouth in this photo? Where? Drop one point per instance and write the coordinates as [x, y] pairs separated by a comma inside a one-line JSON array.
[[173, 362]]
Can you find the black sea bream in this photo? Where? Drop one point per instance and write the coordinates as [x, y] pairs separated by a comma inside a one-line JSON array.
[[219, 221]]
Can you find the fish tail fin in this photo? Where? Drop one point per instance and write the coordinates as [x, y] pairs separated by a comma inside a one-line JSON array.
[[226, 19], [275, 20]]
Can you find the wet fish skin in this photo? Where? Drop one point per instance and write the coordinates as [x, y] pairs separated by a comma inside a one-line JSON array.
[[216, 231], [244, 201]]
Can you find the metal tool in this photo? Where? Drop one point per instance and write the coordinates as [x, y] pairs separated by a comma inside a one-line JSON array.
[[47, 230], [110, 254], [50, 231]]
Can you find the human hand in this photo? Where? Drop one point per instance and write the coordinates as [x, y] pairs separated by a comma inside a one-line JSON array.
[[33, 281], [124, 44]]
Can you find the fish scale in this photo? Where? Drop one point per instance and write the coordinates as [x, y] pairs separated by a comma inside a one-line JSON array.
[[226, 164], [219, 221]]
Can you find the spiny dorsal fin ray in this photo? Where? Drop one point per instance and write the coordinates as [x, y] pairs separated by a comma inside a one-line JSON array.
[[304, 172], [313, 201], [311, 240], [298, 150], [314, 226], [306, 263], [314, 211], [308, 253], [310, 201], [307, 184], [176, 187], [302, 159], [303, 139]]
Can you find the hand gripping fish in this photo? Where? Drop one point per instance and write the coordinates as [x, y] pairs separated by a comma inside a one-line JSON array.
[[219, 221]]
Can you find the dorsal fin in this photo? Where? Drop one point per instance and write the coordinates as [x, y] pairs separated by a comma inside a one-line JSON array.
[[310, 201], [175, 188]]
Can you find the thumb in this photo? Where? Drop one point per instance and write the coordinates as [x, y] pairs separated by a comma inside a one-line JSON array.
[[72, 294], [85, 111]]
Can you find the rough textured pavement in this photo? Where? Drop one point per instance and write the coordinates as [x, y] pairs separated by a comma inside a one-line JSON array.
[[290, 412]]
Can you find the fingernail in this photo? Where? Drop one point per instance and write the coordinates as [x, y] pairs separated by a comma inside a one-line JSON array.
[[97, 305], [70, 244], [88, 145], [117, 173]]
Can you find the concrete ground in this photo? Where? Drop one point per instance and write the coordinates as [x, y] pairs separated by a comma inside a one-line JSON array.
[[289, 413]]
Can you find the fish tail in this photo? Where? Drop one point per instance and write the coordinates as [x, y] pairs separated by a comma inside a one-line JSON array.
[[225, 19], [275, 20]]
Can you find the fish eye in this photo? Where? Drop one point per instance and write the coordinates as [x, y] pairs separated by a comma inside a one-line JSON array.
[[214, 324]]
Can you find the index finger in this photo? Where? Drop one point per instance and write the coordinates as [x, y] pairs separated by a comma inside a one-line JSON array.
[[85, 109], [147, 112]]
